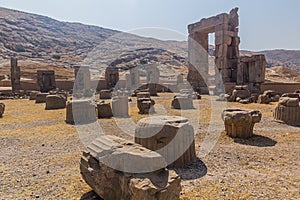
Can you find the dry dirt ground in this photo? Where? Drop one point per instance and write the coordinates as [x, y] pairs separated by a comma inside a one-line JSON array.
[[40, 155]]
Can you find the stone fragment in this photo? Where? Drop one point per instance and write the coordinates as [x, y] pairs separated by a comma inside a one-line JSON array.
[[289, 102], [55, 101], [2, 109], [263, 99], [41, 97], [104, 110], [170, 136], [240, 123], [33, 94], [119, 169], [80, 112], [182, 102], [291, 95], [145, 105], [105, 94]]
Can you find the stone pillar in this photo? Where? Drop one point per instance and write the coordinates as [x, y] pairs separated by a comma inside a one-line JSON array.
[[111, 76], [15, 75], [170, 136], [82, 78], [134, 77], [152, 73], [120, 106], [46, 80]]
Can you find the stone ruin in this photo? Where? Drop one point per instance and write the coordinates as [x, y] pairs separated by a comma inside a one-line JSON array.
[[15, 75], [288, 110], [268, 96], [46, 80], [2, 109], [144, 103], [104, 110], [80, 112], [184, 100], [120, 104], [170, 136], [119, 169], [33, 94], [240, 123], [133, 78], [229, 66], [105, 94], [82, 79], [55, 101], [111, 76], [41, 97]]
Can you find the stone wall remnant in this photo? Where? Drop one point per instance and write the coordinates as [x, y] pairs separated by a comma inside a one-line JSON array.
[[111, 76], [145, 103], [230, 67], [240, 123], [46, 80]]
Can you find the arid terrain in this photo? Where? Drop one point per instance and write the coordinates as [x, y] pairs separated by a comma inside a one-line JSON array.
[[40, 155]]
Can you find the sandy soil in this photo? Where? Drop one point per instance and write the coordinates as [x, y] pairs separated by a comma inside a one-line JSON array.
[[40, 155]]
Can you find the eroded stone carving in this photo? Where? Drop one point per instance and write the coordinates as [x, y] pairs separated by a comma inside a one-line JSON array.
[[116, 169], [46, 80], [288, 111], [240, 123], [170, 136]]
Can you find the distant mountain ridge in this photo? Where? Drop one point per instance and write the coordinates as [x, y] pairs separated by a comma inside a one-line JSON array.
[[34, 36]]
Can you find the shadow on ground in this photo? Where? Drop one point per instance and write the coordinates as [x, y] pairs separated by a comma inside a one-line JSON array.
[[90, 196], [194, 170], [257, 140]]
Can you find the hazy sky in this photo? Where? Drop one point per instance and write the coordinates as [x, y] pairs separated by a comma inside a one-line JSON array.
[[264, 24]]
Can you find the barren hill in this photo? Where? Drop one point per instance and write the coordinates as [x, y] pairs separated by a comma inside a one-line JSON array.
[[40, 39]]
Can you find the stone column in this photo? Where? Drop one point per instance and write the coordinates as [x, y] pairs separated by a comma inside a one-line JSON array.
[[15, 75], [82, 78]]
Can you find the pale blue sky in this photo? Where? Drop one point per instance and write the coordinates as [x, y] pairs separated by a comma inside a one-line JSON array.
[[264, 24]]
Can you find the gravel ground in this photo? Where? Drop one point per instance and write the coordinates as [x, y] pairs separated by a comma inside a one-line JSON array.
[[40, 155]]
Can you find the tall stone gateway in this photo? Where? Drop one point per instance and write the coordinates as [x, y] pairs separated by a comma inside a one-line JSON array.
[[15, 74], [82, 78], [111, 76], [46, 80], [228, 67]]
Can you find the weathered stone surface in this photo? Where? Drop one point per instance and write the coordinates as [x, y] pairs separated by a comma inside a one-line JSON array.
[[119, 169], [170, 136], [104, 110], [263, 99], [287, 114], [243, 94], [41, 97], [105, 94], [291, 95], [80, 112], [289, 102], [33, 94], [120, 106], [46, 80], [15, 73], [145, 105], [240, 123], [111, 76], [182, 102], [55, 102], [143, 95], [2, 109]]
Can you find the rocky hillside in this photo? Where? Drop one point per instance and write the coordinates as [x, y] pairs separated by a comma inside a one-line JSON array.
[[44, 40]]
